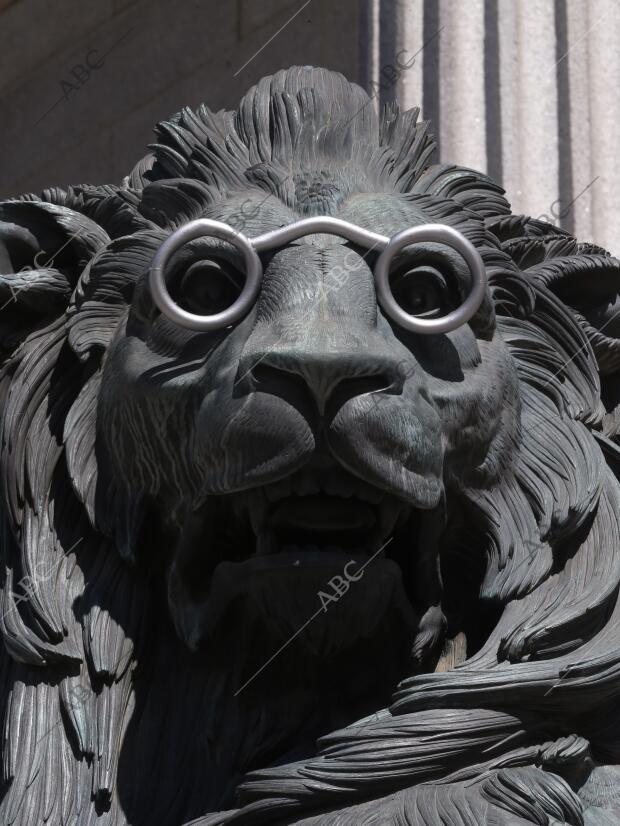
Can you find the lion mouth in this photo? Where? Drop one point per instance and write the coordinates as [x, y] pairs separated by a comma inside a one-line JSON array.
[[319, 509], [271, 554]]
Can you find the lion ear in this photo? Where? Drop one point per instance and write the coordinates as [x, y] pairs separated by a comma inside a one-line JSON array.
[[43, 249]]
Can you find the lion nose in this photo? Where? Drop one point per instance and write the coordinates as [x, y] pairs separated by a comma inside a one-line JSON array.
[[330, 376]]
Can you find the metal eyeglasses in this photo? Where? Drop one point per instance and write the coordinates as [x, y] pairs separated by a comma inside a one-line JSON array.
[[251, 247]]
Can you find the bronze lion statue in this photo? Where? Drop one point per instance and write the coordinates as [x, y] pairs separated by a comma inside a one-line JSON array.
[[307, 565]]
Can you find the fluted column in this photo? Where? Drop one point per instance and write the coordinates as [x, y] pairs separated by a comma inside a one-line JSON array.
[[527, 90], [462, 121]]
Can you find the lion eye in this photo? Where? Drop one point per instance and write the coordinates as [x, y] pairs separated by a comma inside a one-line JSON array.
[[208, 287], [420, 291]]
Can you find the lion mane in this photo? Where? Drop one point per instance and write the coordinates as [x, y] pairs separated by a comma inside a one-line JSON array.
[[101, 700]]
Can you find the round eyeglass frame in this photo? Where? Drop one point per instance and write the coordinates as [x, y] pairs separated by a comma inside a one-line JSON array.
[[251, 247]]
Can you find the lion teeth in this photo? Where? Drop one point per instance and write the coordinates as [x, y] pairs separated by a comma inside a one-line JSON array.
[[262, 508], [306, 485], [336, 484], [333, 482]]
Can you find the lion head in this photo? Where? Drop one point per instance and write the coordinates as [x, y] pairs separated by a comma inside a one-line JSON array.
[[222, 545]]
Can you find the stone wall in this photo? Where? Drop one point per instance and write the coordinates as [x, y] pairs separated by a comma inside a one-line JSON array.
[[82, 83]]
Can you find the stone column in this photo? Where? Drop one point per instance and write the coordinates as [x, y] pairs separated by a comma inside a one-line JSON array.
[[527, 90]]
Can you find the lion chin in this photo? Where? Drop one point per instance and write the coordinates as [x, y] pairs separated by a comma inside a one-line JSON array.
[[313, 568]]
